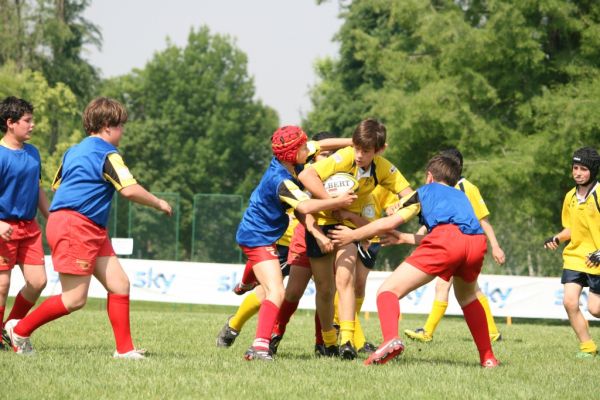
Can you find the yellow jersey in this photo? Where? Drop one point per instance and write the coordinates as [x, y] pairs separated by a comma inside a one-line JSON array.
[[472, 192], [582, 218], [380, 172]]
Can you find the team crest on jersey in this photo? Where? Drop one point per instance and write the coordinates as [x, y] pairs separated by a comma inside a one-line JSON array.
[[368, 211], [393, 169], [4, 260], [84, 265], [272, 251]]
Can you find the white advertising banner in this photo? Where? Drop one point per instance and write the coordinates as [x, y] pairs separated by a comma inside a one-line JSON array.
[[210, 283]]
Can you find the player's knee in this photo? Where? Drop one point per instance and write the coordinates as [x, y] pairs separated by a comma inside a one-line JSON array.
[[571, 305], [75, 303], [36, 284]]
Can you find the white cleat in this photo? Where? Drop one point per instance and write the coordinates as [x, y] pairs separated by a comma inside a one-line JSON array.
[[20, 344], [134, 354]]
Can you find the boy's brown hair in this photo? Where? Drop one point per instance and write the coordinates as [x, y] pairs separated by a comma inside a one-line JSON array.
[[444, 169], [103, 112], [13, 108], [370, 134]]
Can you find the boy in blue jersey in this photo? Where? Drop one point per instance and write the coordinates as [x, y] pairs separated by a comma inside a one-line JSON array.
[[20, 197], [90, 173], [265, 220], [454, 247]]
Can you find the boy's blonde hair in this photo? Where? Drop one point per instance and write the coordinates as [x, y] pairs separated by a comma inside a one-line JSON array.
[[370, 134], [103, 112], [444, 169]]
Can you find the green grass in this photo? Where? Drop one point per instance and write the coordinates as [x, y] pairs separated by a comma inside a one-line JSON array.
[[73, 361]]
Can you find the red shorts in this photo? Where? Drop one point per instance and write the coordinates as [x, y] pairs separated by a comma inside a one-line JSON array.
[[24, 246], [76, 242], [447, 252], [259, 254], [297, 250]]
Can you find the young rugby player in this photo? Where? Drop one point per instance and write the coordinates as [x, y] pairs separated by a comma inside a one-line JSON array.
[[265, 220], [20, 197], [455, 246], [364, 162], [442, 287], [85, 183], [581, 256]]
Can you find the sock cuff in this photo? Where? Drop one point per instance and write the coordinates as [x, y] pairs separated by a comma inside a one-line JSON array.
[[118, 298], [471, 305], [440, 303], [22, 298]]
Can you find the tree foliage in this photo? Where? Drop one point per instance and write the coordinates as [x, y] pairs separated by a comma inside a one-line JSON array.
[[511, 83]]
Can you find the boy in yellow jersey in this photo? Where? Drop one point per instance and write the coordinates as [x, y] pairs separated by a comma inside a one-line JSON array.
[[442, 287], [375, 207], [581, 257], [364, 162]]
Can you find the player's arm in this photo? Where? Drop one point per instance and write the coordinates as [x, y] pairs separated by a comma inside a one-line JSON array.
[[5, 230], [334, 143], [310, 223], [497, 251], [291, 194], [117, 173], [43, 203], [313, 183], [395, 237], [342, 235], [552, 242]]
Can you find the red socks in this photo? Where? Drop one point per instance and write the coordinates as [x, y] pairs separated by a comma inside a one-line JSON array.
[[388, 308], [51, 309], [476, 320], [285, 313], [266, 319], [20, 308], [117, 306], [2, 309]]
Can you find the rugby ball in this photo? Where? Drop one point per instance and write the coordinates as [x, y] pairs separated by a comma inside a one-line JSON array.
[[340, 183]]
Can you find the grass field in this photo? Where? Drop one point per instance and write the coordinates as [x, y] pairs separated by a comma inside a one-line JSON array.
[[73, 361]]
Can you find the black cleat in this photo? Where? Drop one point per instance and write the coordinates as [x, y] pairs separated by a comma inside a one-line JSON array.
[[320, 350], [258, 354], [367, 348], [227, 335], [274, 344], [332, 351], [347, 351]]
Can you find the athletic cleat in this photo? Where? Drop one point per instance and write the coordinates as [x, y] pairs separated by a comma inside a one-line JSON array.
[[131, 355], [495, 337], [490, 363], [367, 348], [241, 288], [274, 344], [585, 355], [332, 351], [347, 351], [386, 352], [258, 354], [419, 334], [320, 350], [227, 335], [5, 338], [20, 344]]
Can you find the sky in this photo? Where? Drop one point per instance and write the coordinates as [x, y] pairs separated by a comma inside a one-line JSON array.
[[282, 39]]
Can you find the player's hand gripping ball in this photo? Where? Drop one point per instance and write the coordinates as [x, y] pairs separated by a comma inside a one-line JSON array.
[[340, 183]]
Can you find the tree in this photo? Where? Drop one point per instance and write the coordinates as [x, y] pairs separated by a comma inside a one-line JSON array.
[[194, 124]]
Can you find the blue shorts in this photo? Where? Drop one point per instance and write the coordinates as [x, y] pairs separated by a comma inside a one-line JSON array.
[[283, 255], [582, 279], [369, 256]]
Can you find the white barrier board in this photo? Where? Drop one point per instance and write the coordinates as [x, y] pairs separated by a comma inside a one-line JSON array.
[[210, 283]]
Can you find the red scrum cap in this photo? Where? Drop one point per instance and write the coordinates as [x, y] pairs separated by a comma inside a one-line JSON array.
[[286, 141]]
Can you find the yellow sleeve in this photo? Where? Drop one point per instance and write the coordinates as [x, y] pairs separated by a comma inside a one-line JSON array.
[[314, 148], [566, 210], [389, 176], [340, 161], [477, 202], [57, 178], [410, 206], [117, 173], [291, 194]]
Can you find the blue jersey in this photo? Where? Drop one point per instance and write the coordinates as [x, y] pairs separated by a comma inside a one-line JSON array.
[[266, 219], [439, 204], [20, 172], [81, 181]]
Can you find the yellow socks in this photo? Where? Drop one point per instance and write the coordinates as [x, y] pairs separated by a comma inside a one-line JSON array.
[[488, 315], [435, 316], [347, 332], [588, 347], [330, 338], [359, 335], [249, 307]]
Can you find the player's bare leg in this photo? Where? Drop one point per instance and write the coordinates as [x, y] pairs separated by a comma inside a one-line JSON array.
[[572, 293]]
